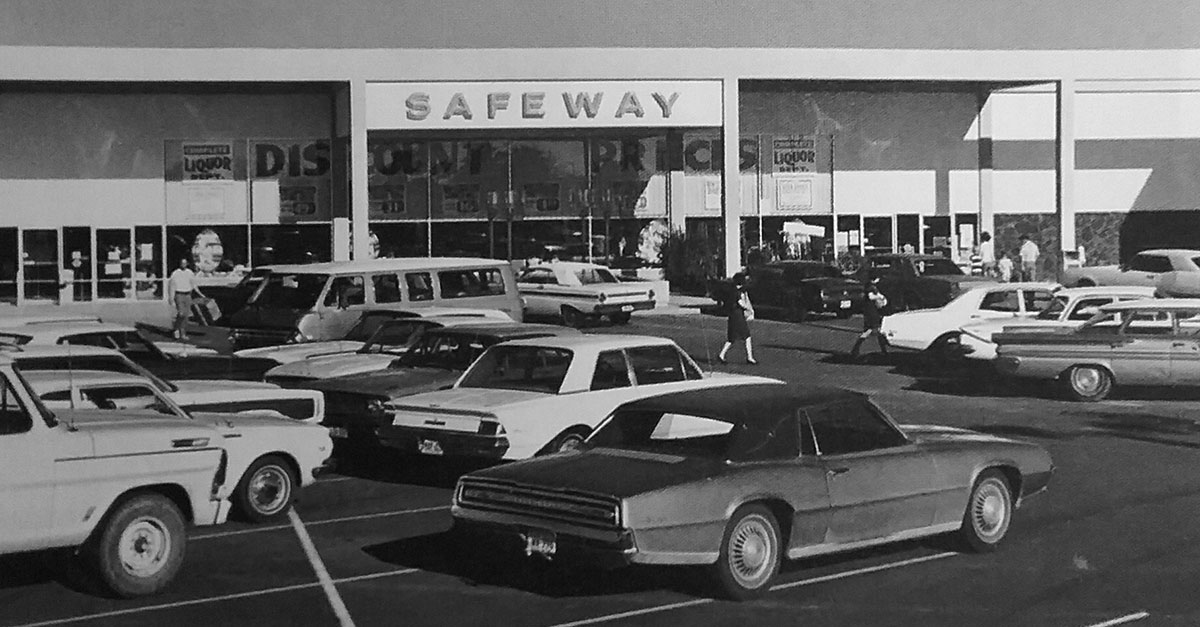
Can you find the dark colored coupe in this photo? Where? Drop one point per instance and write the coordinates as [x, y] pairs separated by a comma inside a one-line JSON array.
[[795, 289], [740, 477]]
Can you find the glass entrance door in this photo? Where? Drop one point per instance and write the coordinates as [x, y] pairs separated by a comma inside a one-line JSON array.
[[39, 264], [8, 265], [77, 263], [114, 263]]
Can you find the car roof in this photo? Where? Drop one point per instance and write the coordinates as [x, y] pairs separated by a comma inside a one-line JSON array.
[[63, 350], [59, 328], [568, 265], [379, 265], [1016, 285], [597, 341], [1171, 251], [49, 380], [1159, 304], [740, 400], [505, 329], [1105, 290]]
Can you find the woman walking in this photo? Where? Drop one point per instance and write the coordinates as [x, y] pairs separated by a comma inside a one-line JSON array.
[[741, 312], [873, 305]]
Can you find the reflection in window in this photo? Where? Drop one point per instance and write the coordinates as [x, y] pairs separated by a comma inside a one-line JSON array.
[[346, 291], [420, 286], [387, 288], [467, 283]]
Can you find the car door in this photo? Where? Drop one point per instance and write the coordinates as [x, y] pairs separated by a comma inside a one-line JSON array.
[[1144, 269], [1185, 349], [533, 284], [880, 484], [27, 454], [1143, 354]]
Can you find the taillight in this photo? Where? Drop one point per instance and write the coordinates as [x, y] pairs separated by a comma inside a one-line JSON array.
[[491, 428]]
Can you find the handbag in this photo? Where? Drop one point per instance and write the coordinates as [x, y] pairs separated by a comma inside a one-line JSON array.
[[747, 308]]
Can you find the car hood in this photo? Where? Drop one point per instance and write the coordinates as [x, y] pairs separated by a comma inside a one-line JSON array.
[[614, 472], [328, 366], [129, 432], [183, 349], [471, 399], [391, 382], [249, 422], [285, 353]]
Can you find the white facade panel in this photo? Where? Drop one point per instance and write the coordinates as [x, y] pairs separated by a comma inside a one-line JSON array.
[[50, 203], [964, 191], [885, 192], [1023, 191], [1109, 190], [1138, 115]]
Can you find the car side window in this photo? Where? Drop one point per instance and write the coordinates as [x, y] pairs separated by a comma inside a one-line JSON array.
[[1150, 263], [852, 426], [297, 408], [656, 364], [538, 276], [1036, 300], [611, 371], [466, 283], [420, 286], [1085, 308], [346, 291], [103, 340], [125, 397], [14, 418], [1005, 300], [387, 288]]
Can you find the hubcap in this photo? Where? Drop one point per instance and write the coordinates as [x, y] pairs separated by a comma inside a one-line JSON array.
[[269, 489], [990, 510], [751, 551], [144, 547], [1087, 380]]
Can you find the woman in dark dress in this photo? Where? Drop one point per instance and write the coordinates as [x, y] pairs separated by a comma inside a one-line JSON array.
[[741, 312], [873, 303]]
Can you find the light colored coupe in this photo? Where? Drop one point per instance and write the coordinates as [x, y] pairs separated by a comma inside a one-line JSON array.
[[528, 397], [269, 458], [1145, 268], [1152, 342], [938, 329], [577, 292], [1070, 308]]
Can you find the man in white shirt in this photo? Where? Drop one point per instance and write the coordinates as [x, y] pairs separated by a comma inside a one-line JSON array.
[[1029, 256], [181, 286], [987, 254]]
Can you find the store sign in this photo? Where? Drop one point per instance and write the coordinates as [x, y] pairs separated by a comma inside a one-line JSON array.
[[794, 154], [207, 161], [302, 168], [592, 104]]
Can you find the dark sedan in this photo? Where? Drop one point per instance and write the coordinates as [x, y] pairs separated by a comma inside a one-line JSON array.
[[913, 281], [740, 477], [795, 289]]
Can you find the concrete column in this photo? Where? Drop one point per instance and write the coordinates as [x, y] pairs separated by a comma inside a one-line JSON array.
[[358, 170], [731, 206], [987, 201], [1065, 164]]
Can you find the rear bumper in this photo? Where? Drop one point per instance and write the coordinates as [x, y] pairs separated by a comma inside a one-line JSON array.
[[616, 308], [448, 443], [508, 538]]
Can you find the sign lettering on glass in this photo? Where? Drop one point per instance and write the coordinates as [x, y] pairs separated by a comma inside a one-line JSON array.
[[794, 154], [208, 161]]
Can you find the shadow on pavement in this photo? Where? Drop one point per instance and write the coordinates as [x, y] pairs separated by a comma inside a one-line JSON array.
[[391, 466], [1149, 428]]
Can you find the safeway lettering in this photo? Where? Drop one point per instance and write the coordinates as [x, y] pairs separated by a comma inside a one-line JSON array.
[[534, 105]]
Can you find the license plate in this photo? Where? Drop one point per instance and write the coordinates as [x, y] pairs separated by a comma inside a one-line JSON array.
[[338, 432], [627, 308], [845, 304], [540, 542], [430, 447]]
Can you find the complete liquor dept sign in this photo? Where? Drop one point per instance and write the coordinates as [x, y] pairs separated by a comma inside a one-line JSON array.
[[543, 104]]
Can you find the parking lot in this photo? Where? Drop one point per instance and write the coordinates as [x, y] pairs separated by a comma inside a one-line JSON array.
[[1112, 542]]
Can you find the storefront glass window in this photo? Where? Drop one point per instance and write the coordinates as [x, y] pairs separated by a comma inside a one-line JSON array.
[[40, 264], [877, 235], [400, 239], [290, 243], [77, 263], [8, 265], [114, 263], [219, 253], [148, 268], [937, 235]]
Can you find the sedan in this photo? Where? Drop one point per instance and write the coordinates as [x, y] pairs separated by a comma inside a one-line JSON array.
[[1145, 268], [796, 289], [738, 478], [1151, 342], [577, 292]]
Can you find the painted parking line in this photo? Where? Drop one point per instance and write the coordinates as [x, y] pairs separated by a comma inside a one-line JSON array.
[[322, 573], [783, 586], [317, 523], [217, 599], [1122, 620]]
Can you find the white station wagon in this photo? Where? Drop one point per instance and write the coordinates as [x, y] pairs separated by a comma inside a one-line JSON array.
[[577, 292], [523, 398]]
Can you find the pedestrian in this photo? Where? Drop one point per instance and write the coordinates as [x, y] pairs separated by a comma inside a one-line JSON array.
[[873, 303], [741, 312], [182, 286], [987, 254], [1029, 256], [1004, 268]]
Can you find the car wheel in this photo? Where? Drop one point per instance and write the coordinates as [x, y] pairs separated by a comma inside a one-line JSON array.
[[989, 512], [751, 552], [139, 548], [572, 317], [1088, 383], [266, 491], [568, 440], [944, 349], [620, 318]]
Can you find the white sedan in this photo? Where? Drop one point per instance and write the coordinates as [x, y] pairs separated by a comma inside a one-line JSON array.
[[523, 398], [937, 330], [269, 458], [576, 292], [1070, 308]]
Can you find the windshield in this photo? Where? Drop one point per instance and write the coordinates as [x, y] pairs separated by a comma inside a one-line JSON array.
[[1054, 309], [297, 292], [932, 267], [447, 351], [532, 368], [592, 276], [106, 363], [394, 337], [15, 339], [368, 325]]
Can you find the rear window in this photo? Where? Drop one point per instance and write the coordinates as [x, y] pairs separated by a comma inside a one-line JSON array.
[[15, 339], [533, 368], [468, 283], [659, 364], [1150, 263], [591, 276]]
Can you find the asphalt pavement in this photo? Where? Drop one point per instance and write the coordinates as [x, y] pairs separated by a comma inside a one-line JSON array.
[[1112, 542]]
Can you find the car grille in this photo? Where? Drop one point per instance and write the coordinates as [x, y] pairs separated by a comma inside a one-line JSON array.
[[576, 508]]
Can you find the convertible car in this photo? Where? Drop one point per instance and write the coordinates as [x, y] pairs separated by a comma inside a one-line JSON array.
[[740, 477], [1150, 342]]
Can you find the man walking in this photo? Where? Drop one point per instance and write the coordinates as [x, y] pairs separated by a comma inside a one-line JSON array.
[[1029, 256], [182, 285], [987, 254]]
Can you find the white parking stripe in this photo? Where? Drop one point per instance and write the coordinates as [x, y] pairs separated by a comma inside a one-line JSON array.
[[1122, 620], [216, 599], [317, 523], [318, 566], [782, 586]]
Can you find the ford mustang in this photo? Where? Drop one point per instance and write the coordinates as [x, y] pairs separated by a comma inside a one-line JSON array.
[[739, 477]]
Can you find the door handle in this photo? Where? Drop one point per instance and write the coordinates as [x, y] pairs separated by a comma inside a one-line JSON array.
[[833, 472], [1178, 345]]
